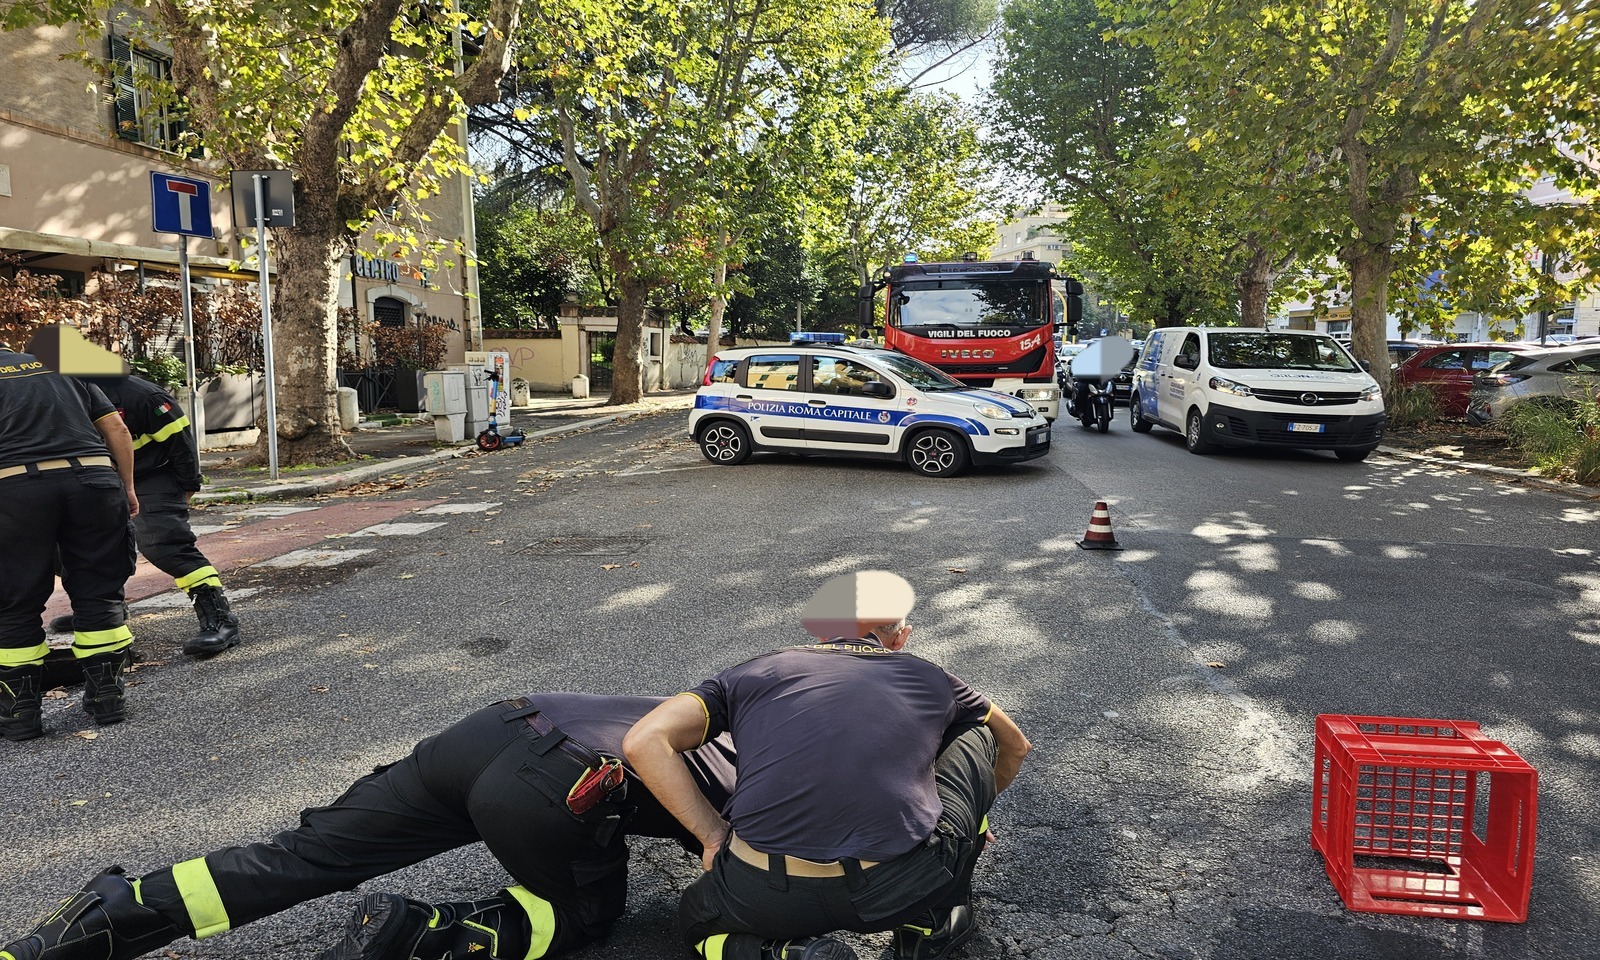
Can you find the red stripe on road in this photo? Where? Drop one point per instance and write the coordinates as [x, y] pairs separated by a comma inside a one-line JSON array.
[[262, 540]]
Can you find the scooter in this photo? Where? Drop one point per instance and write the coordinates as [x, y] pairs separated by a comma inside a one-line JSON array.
[[1089, 401]]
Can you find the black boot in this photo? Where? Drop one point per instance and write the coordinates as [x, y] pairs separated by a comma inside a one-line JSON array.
[[810, 948], [219, 628], [103, 921], [61, 624], [104, 691], [19, 703], [387, 926], [936, 940]]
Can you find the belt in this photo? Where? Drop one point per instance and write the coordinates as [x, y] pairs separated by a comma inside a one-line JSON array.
[[542, 727], [793, 866], [43, 465]]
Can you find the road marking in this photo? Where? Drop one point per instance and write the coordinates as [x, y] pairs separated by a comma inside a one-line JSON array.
[[273, 510], [444, 509], [313, 558], [641, 471], [395, 529], [178, 600]]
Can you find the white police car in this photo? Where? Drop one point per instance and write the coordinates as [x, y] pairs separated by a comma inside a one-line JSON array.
[[815, 397]]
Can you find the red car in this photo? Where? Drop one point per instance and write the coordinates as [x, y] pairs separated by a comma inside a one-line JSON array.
[[1448, 368]]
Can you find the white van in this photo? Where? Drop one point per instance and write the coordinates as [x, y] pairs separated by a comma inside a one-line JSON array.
[[1242, 386]]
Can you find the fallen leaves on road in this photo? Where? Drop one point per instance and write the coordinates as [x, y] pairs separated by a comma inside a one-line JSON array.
[[958, 569], [317, 688], [1216, 664], [495, 543], [56, 694], [88, 734], [406, 576], [609, 566]]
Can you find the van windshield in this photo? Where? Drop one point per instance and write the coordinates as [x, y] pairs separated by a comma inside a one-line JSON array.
[[1279, 352]]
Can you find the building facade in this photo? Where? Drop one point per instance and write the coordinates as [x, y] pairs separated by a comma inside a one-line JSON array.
[[78, 146], [1030, 237]]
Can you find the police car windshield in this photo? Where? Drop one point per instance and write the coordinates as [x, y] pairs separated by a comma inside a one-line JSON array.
[[1279, 352], [917, 373], [960, 304]]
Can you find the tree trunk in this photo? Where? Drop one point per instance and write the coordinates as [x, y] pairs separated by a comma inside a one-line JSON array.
[[1370, 265], [719, 305], [1255, 284], [627, 373], [305, 287]]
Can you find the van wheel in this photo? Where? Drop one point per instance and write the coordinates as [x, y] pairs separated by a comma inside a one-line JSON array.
[[937, 453], [1353, 456], [1136, 418], [1194, 437], [726, 443]]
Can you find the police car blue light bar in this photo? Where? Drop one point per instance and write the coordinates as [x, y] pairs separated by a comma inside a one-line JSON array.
[[910, 258], [801, 337]]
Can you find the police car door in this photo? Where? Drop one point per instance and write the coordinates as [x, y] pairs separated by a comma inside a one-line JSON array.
[[772, 402], [843, 419]]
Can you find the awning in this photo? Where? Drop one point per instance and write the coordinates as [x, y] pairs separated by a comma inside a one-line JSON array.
[[152, 258]]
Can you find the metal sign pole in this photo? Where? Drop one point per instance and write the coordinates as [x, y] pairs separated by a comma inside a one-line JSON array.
[[266, 326], [188, 335]]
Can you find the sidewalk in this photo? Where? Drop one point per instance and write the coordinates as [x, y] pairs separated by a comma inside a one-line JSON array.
[[385, 450]]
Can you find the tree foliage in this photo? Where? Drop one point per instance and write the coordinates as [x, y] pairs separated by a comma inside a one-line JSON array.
[[1398, 134], [531, 260], [1082, 113]]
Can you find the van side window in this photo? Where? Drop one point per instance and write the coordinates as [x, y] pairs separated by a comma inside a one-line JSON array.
[[773, 372], [1191, 348]]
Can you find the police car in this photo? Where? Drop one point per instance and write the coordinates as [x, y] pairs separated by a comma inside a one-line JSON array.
[[815, 396]]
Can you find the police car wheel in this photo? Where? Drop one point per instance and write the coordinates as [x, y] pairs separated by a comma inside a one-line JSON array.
[[937, 453], [725, 442], [1136, 419]]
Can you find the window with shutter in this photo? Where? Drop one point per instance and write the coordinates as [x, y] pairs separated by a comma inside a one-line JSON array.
[[136, 111]]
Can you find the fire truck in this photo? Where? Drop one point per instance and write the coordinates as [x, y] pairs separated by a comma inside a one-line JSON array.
[[987, 323]]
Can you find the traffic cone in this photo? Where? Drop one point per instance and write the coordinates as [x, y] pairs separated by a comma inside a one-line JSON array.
[[1100, 536]]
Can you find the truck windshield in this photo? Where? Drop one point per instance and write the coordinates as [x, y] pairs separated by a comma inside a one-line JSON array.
[[961, 304], [1279, 352], [917, 373]]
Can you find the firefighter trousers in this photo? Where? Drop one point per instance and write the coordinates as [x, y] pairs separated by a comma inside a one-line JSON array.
[[479, 780], [163, 532], [83, 513]]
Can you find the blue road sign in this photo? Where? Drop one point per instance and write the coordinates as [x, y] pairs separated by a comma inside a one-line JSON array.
[[180, 205]]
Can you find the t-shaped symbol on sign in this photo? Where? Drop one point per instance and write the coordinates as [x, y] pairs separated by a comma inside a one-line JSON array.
[[186, 193]]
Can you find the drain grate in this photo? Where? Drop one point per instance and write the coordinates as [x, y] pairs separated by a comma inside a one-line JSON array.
[[585, 546]]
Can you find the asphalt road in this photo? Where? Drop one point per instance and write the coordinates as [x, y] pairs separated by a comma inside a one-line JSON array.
[[1170, 688]]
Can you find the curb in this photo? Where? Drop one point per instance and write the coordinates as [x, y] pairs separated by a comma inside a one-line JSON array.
[[328, 483], [1499, 473]]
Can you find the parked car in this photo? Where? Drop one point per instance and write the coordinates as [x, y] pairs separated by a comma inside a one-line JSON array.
[[1448, 370], [1554, 376], [817, 398], [1402, 350]]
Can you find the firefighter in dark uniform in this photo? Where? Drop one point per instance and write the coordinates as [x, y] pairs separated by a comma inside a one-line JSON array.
[[538, 780], [166, 473], [866, 776], [66, 484]]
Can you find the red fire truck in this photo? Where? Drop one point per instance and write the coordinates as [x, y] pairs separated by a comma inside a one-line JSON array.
[[987, 323]]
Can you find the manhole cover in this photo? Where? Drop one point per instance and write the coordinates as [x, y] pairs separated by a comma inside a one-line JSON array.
[[583, 546]]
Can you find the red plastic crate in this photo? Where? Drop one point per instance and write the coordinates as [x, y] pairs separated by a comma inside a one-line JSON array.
[[1424, 817]]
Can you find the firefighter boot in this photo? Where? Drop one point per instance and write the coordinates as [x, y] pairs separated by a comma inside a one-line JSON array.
[[939, 938], [219, 628], [104, 690], [810, 948], [19, 703], [387, 926], [103, 921]]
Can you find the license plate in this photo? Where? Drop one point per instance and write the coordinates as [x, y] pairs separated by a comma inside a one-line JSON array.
[[1043, 436], [1307, 427]]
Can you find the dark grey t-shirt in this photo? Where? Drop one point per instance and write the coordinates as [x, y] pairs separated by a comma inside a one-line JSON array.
[[836, 745], [45, 416], [600, 722]]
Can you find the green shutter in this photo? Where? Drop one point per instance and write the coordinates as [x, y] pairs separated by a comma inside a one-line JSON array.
[[124, 111]]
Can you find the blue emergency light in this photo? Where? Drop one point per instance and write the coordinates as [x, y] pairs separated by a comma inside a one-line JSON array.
[[910, 258], [801, 337]]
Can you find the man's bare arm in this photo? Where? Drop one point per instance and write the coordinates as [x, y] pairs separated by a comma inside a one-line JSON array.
[[652, 749], [1012, 745]]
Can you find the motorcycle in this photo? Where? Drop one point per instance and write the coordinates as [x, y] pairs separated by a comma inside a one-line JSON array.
[[1089, 401]]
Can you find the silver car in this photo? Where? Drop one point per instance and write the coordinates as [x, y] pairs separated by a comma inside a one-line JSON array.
[[1557, 377]]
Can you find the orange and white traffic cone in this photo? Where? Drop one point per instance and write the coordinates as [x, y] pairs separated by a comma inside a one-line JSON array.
[[1100, 536]]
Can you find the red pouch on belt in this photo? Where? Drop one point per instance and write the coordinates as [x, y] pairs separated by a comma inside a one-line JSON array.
[[594, 786]]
